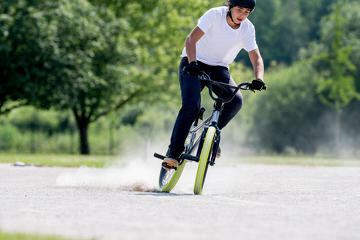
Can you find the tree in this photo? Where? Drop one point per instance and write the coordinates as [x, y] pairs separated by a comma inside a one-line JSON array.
[[84, 57], [21, 44], [99, 64], [66, 55], [336, 86], [156, 31], [283, 27]]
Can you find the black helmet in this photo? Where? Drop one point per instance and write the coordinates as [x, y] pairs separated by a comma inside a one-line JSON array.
[[243, 3]]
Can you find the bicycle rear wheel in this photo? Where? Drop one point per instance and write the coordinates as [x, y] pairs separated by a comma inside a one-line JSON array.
[[169, 178], [204, 160]]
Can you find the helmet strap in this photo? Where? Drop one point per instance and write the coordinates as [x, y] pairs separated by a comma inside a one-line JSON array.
[[229, 14]]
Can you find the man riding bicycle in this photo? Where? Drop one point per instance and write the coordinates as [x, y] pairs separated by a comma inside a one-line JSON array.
[[211, 46]]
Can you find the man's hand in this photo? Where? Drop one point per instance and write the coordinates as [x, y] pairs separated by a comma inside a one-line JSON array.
[[257, 84], [193, 69]]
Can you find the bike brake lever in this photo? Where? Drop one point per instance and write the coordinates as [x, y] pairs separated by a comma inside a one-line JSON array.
[[249, 88]]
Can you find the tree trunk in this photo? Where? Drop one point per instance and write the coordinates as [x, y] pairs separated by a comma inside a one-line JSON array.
[[82, 123], [337, 131], [84, 144]]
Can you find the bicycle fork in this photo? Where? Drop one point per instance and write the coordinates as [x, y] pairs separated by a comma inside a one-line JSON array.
[[214, 121]]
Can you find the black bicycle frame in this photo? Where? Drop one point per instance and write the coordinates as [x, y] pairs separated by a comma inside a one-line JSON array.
[[212, 120]]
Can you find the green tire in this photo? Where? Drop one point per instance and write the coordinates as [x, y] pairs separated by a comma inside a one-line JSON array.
[[204, 160], [166, 185]]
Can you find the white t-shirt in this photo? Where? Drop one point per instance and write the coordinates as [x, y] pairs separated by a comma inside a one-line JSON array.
[[220, 44]]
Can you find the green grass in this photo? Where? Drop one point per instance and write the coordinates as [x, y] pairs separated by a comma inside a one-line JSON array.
[[58, 160], [21, 236]]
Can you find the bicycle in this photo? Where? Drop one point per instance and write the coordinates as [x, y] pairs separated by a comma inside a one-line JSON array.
[[207, 143]]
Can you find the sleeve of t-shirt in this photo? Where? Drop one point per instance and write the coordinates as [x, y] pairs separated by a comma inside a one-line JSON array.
[[250, 40], [205, 22]]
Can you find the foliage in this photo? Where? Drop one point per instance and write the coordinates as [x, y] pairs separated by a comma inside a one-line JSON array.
[[9, 137], [288, 115], [69, 57], [283, 27], [93, 58], [91, 61], [340, 36], [335, 58], [59, 160], [28, 130], [337, 85], [22, 236], [24, 51], [158, 29]]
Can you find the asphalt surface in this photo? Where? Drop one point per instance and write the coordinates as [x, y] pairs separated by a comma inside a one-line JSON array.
[[239, 202]]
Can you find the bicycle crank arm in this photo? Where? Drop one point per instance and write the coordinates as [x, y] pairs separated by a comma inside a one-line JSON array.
[[183, 156], [159, 156], [189, 157]]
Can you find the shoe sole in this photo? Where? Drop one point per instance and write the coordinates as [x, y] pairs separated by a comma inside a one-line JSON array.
[[170, 162]]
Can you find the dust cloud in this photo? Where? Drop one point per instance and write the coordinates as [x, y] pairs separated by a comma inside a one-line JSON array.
[[136, 175], [134, 171]]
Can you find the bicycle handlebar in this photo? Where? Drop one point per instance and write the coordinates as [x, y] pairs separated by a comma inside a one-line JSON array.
[[243, 86]]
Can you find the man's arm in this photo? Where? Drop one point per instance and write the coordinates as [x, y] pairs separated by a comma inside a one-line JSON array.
[[190, 43], [258, 64]]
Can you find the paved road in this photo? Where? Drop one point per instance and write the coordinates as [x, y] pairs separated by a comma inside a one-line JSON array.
[[239, 202]]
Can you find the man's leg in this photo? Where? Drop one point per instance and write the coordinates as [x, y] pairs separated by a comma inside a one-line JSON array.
[[190, 95], [231, 108]]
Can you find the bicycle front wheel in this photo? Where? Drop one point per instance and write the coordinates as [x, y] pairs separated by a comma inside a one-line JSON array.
[[204, 160]]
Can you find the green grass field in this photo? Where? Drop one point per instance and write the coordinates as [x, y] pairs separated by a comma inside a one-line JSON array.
[[58, 160], [20, 236], [101, 161]]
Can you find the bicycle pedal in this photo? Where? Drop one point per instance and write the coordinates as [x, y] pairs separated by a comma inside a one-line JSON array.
[[159, 156]]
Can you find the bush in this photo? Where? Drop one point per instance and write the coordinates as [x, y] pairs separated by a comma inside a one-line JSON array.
[[288, 115], [8, 137]]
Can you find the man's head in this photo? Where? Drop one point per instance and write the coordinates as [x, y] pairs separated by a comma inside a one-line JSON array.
[[250, 4], [239, 10]]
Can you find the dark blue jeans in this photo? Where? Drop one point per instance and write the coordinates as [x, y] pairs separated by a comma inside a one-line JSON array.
[[191, 88]]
